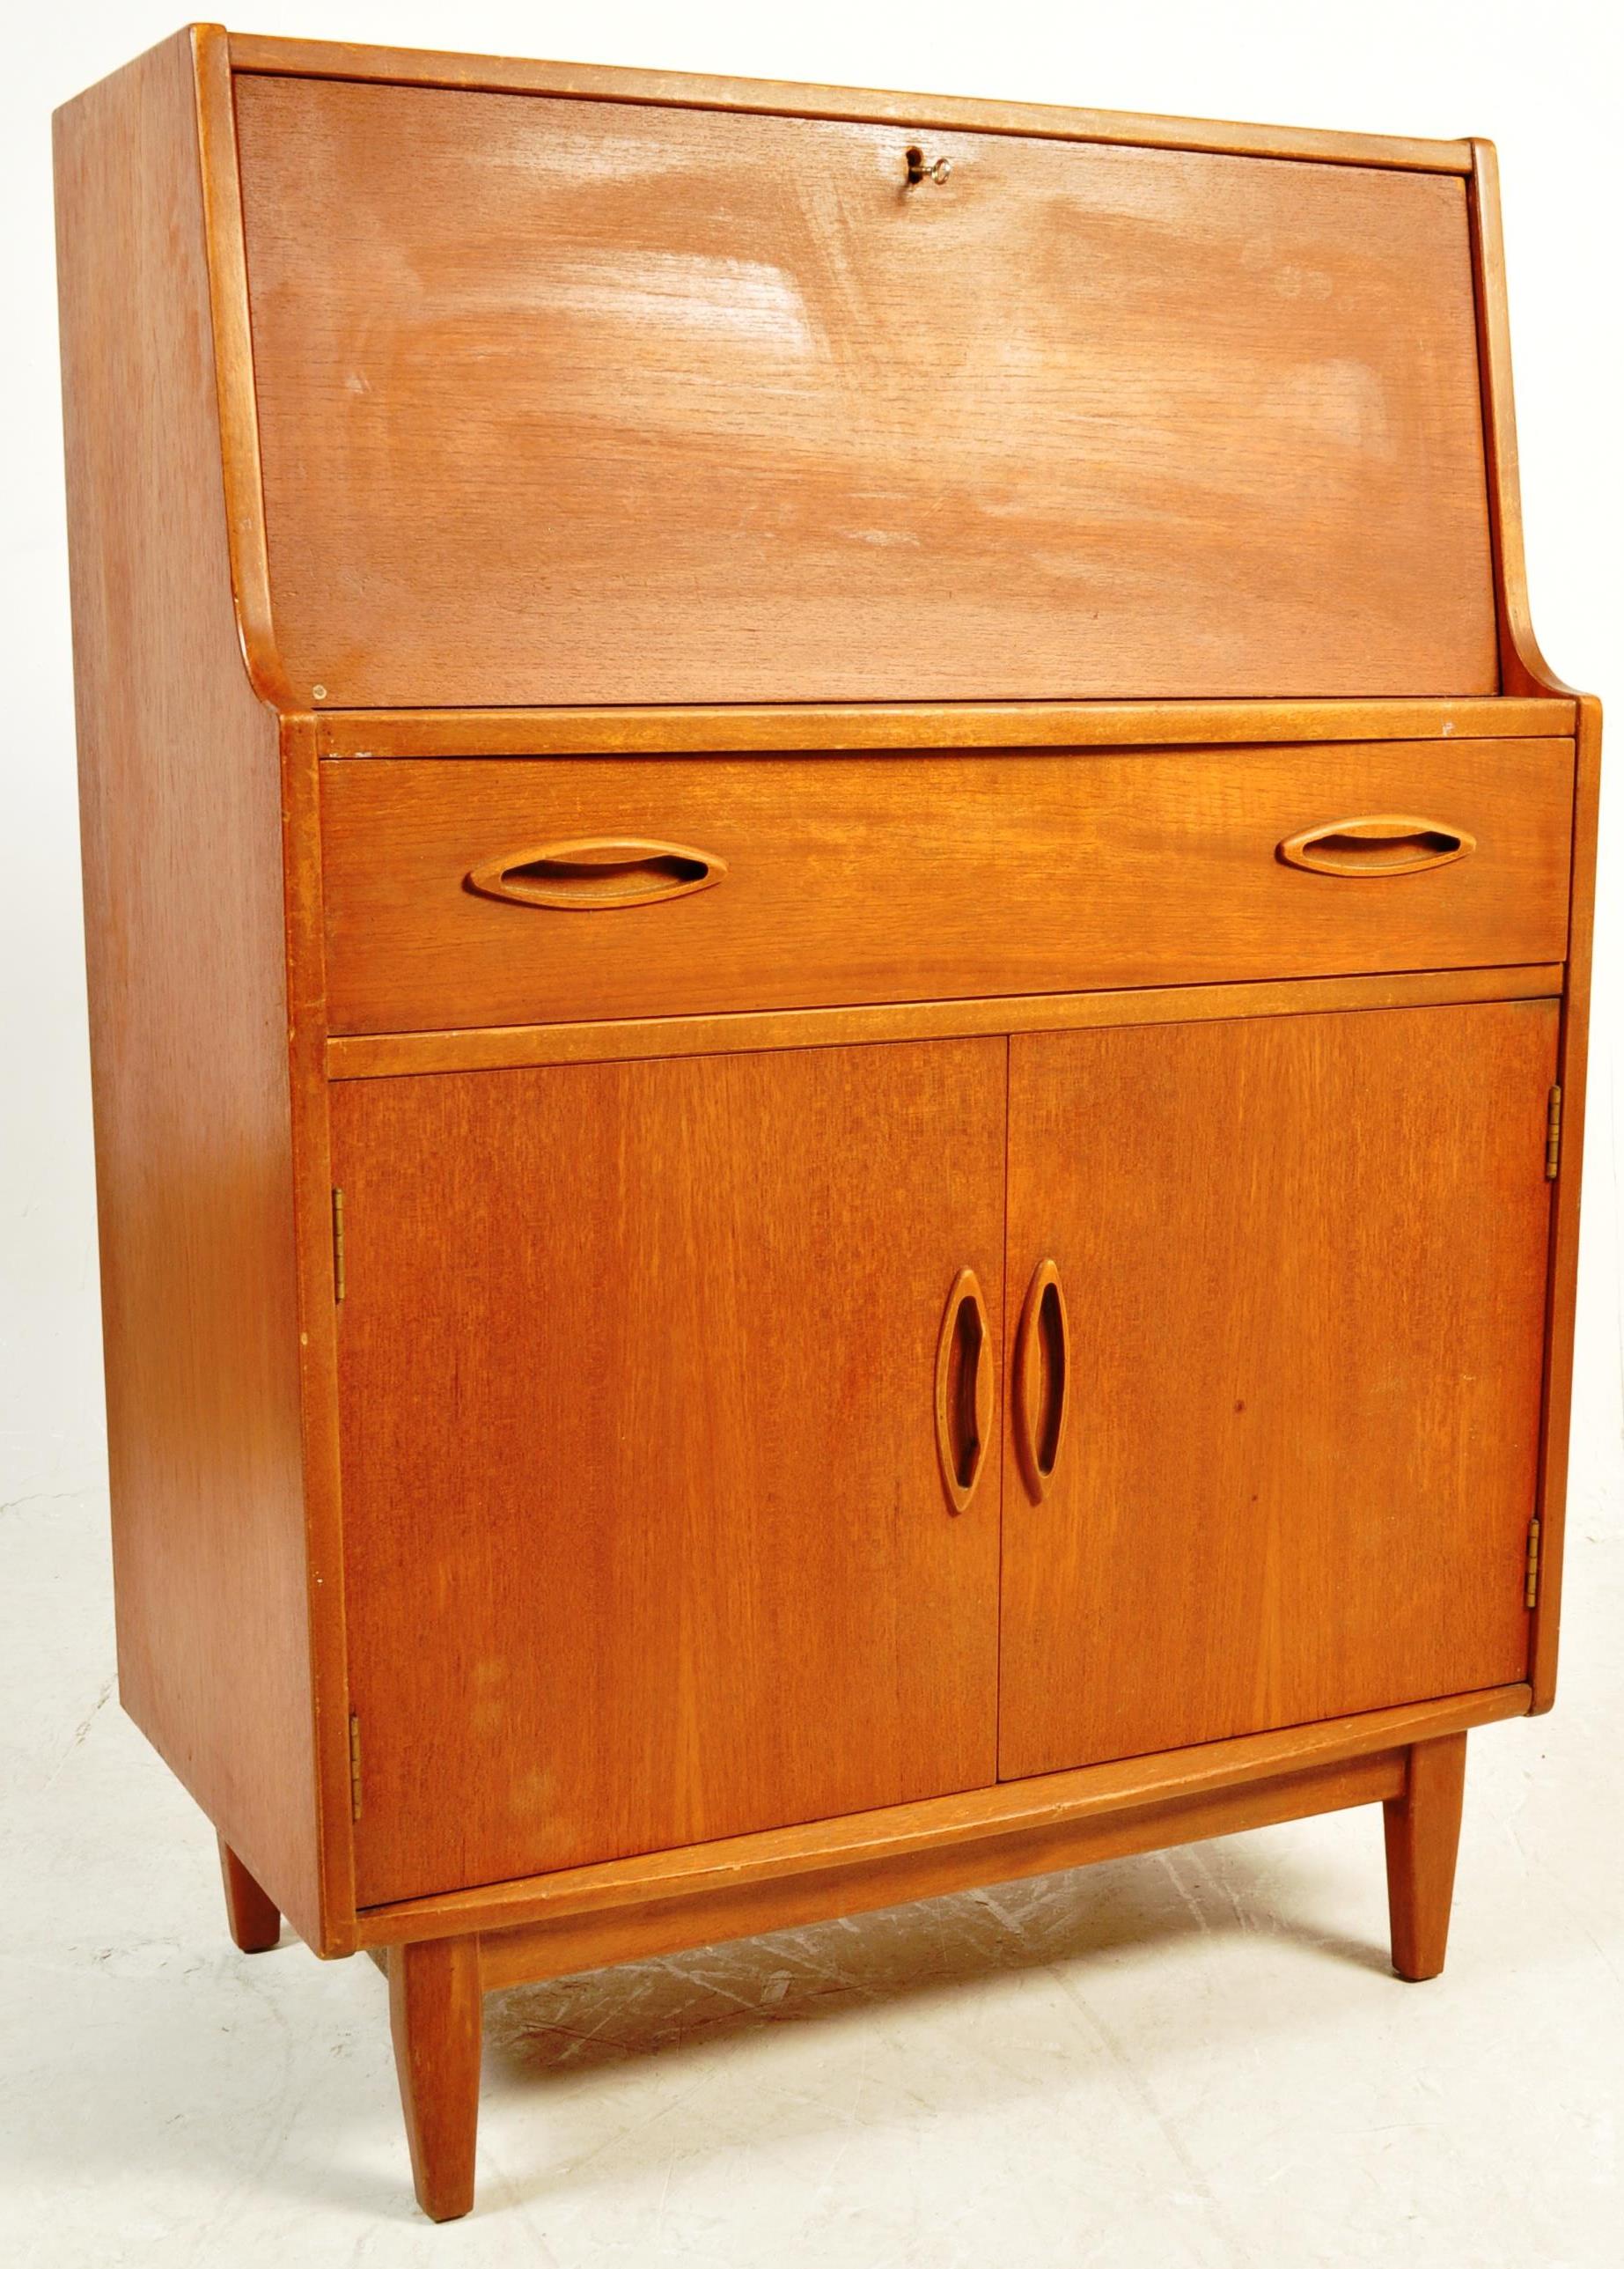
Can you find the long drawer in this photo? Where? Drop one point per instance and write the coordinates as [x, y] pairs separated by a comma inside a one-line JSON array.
[[492, 891]]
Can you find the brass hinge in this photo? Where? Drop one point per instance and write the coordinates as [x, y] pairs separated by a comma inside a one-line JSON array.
[[338, 1245], [355, 1768], [1554, 1135], [1531, 1566]]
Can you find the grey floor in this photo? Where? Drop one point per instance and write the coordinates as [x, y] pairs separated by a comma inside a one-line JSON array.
[[1196, 2059]]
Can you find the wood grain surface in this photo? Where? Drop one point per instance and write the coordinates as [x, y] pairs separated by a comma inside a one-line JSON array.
[[1525, 673], [744, 1909], [1562, 1315], [503, 1047], [1305, 1261], [567, 401], [252, 51], [435, 2009], [251, 1916], [899, 878], [236, 402], [1524, 669], [909, 1841], [797, 728], [181, 813], [646, 1537], [1421, 1831]]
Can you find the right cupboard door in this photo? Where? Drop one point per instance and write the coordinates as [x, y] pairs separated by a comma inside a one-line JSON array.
[[1302, 1264]]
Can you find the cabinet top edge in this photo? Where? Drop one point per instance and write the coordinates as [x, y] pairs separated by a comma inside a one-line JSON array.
[[261, 53], [900, 725]]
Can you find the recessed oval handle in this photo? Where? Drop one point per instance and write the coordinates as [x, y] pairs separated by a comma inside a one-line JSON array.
[[1042, 1374], [597, 871], [964, 1389], [1385, 844]]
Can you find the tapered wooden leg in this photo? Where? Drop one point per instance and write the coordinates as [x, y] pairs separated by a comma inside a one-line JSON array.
[[434, 2013], [1423, 1833], [253, 1920]]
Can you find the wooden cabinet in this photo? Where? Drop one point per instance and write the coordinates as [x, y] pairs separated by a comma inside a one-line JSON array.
[[838, 932]]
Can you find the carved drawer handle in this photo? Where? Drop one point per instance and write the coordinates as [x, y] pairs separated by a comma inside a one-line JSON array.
[[597, 871], [1042, 1374], [964, 1389], [1385, 845]]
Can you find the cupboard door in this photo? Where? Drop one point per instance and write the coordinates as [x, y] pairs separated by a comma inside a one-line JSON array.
[[1303, 1263], [646, 1536]]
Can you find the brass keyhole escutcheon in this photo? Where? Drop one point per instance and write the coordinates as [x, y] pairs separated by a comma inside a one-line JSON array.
[[921, 169]]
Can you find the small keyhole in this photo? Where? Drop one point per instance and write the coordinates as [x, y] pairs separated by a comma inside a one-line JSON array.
[[921, 169]]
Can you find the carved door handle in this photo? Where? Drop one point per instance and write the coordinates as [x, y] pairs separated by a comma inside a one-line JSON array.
[[964, 1389], [1042, 1377]]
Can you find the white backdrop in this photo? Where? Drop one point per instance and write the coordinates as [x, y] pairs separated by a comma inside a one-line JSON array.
[[1544, 82]]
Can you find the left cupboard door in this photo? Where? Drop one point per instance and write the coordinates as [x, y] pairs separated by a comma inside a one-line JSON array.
[[650, 1537]]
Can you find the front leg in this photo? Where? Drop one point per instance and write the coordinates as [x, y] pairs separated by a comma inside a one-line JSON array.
[[435, 2005], [1423, 1834]]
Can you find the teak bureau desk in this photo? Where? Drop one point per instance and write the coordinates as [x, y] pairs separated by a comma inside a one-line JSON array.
[[838, 933]]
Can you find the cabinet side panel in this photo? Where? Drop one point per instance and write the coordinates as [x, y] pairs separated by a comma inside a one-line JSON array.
[[1571, 1069], [183, 890]]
